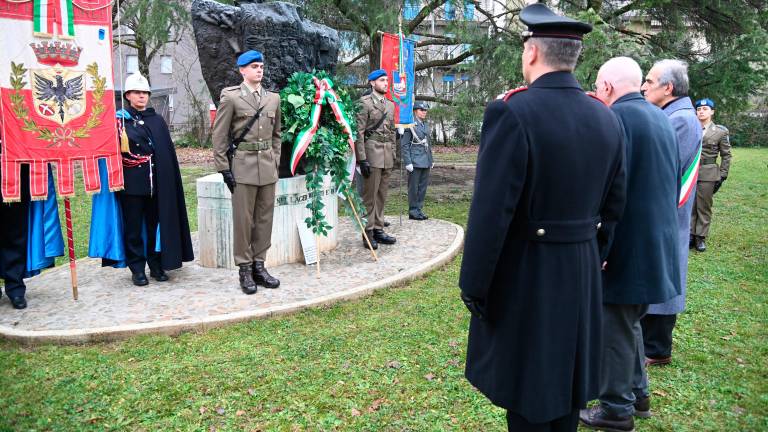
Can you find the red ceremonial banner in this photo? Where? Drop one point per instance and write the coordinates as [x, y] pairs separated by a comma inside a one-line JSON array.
[[57, 101]]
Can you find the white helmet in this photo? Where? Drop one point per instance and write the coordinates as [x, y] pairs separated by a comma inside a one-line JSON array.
[[136, 82]]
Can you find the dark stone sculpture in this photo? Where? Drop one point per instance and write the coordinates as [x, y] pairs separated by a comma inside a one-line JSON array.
[[289, 42]]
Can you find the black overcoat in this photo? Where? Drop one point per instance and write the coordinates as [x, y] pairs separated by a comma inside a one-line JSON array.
[[548, 192], [148, 134], [643, 264]]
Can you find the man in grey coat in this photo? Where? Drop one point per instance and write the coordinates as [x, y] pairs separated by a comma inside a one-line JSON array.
[[641, 267], [666, 86], [417, 158]]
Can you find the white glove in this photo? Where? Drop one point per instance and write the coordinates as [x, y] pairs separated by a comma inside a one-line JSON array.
[[409, 167], [433, 165]]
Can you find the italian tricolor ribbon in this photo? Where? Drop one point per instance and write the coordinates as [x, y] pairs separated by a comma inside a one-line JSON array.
[[324, 94], [54, 17], [688, 182]]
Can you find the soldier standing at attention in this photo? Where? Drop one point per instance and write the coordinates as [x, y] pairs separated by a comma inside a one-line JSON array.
[[711, 176], [375, 149], [250, 114], [417, 158]]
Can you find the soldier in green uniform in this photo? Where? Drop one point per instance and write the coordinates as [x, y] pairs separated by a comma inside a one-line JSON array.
[[375, 148], [253, 173], [711, 176]]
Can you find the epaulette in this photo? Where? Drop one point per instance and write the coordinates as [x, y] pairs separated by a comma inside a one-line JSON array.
[[508, 94], [722, 127], [593, 96], [230, 88]]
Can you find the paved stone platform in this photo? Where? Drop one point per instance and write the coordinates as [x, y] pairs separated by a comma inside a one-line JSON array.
[[110, 307]]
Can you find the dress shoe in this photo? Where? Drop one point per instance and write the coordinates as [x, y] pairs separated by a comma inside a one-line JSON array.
[[262, 277], [597, 418], [159, 276], [139, 279], [657, 361], [383, 237], [247, 283], [643, 407], [386, 224], [415, 217], [700, 245], [423, 216], [18, 302], [374, 243]]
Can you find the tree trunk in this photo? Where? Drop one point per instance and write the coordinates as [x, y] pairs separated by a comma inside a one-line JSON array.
[[374, 52], [144, 60]]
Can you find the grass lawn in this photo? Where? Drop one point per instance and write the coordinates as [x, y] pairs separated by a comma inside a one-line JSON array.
[[394, 361]]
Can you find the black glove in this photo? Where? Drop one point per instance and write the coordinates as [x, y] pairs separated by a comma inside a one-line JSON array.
[[229, 179], [475, 305], [365, 168], [718, 184]]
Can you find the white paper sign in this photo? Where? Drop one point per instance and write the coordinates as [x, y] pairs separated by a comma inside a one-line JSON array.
[[308, 243]]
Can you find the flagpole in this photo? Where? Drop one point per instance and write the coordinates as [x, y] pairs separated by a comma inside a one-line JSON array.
[[71, 246]]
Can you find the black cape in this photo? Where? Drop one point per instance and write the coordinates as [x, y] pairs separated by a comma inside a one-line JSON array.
[[153, 137]]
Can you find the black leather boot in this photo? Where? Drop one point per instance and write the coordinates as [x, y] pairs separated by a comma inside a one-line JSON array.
[[262, 277], [383, 237], [700, 245], [374, 243], [139, 279], [246, 279]]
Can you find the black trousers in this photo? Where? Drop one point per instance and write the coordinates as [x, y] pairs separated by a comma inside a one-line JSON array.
[[13, 246], [657, 335], [567, 423], [140, 211]]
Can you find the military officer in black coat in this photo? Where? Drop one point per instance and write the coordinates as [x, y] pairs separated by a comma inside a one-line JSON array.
[[549, 190], [153, 196]]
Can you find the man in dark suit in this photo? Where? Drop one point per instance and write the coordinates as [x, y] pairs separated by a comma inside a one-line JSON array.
[[545, 203], [641, 268]]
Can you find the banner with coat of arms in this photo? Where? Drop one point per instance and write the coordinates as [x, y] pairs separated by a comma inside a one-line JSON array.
[[57, 100], [397, 58]]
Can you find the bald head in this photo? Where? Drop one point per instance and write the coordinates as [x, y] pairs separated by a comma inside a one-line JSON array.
[[617, 77]]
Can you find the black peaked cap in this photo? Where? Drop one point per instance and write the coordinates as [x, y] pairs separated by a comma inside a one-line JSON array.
[[542, 22]]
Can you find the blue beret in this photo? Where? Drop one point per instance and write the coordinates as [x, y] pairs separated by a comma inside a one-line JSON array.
[[378, 73], [421, 106], [705, 102], [249, 57]]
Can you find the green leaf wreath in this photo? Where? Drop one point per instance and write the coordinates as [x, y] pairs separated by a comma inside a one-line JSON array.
[[329, 150]]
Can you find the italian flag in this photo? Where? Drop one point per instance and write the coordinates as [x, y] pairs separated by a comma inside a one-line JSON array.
[[54, 17], [688, 182]]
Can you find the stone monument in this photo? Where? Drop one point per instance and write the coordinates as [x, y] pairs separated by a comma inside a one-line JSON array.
[[289, 42]]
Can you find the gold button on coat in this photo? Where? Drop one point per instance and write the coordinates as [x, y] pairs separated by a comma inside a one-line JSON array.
[[540, 232], [599, 224]]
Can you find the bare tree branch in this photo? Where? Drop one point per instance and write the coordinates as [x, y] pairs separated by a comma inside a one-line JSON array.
[[423, 14], [357, 57], [451, 61]]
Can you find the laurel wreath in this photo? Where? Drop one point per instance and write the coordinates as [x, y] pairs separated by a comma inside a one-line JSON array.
[[21, 110], [329, 151]]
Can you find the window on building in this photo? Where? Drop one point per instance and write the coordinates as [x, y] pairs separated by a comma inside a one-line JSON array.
[[449, 84], [469, 10], [131, 64], [166, 64], [449, 10], [410, 9]]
